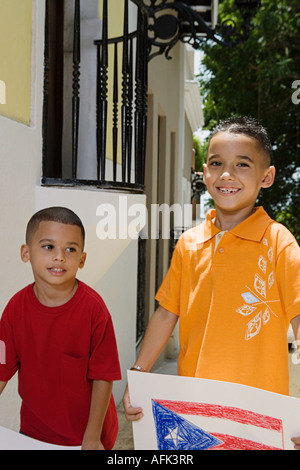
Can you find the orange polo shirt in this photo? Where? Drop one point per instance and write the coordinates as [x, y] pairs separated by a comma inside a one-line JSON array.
[[235, 301]]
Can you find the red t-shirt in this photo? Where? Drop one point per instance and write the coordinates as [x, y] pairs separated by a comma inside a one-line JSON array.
[[58, 352]]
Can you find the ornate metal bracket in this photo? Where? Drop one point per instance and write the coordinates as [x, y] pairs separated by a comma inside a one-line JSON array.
[[173, 21]]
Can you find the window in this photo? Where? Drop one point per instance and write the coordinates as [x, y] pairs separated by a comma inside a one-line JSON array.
[[95, 96]]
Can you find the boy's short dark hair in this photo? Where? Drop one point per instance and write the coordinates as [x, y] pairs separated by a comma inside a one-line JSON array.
[[247, 126], [53, 214]]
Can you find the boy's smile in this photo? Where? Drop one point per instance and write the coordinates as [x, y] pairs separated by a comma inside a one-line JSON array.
[[55, 253], [235, 171]]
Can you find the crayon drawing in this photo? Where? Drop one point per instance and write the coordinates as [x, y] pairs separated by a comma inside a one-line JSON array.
[[177, 433], [186, 413]]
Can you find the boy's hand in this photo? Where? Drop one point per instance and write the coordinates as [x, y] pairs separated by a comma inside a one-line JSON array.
[[92, 445], [131, 414], [296, 441], [159, 330]]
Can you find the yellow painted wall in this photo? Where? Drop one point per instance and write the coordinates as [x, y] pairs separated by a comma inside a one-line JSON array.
[[15, 58], [115, 29], [115, 17]]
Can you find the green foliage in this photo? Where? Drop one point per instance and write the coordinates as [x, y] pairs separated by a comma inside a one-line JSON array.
[[200, 153], [255, 79]]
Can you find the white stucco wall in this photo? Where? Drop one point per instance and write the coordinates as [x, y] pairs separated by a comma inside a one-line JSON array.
[[20, 163], [111, 266]]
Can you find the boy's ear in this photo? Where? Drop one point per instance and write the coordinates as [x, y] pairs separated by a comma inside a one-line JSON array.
[[269, 177], [25, 257], [82, 260]]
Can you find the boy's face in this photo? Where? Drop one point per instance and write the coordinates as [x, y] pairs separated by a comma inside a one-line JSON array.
[[235, 171], [55, 253]]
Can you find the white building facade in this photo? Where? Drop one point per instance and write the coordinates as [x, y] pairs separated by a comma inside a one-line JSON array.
[[112, 218]]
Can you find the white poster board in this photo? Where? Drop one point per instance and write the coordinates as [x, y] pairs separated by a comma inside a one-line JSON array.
[[11, 440], [184, 413]]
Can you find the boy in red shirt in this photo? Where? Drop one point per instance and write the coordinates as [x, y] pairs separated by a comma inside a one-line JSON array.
[[234, 280], [59, 336]]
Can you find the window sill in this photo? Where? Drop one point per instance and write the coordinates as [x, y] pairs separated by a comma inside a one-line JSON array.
[[94, 185]]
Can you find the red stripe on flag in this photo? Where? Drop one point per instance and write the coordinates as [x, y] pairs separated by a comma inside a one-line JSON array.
[[237, 443], [223, 412]]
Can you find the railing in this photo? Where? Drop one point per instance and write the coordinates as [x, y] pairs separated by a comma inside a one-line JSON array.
[[128, 94], [129, 118]]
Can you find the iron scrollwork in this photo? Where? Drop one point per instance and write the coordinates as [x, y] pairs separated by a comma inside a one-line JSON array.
[[173, 21]]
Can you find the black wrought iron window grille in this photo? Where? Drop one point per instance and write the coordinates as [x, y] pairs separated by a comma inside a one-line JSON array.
[[122, 165]]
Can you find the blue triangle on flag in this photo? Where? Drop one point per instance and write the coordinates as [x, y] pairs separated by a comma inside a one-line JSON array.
[[176, 433]]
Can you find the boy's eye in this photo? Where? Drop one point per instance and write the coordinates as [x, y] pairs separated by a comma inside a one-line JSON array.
[[215, 163], [71, 249], [51, 247], [242, 164]]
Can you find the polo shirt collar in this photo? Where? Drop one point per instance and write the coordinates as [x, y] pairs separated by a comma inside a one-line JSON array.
[[252, 228]]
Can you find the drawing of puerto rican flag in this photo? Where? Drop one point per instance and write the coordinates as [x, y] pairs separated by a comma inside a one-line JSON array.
[[202, 426]]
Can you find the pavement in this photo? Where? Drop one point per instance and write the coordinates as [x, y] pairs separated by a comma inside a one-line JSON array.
[[169, 367]]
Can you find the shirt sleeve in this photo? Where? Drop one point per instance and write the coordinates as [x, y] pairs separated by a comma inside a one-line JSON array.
[[288, 278], [104, 359], [168, 294], [9, 361]]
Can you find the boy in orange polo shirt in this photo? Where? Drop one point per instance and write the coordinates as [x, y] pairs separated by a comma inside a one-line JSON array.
[[234, 280]]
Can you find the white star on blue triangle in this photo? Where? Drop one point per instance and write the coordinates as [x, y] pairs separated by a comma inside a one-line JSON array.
[[176, 433]]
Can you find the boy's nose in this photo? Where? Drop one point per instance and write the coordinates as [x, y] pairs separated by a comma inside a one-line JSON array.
[[58, 255], [227, 175]]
